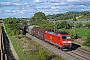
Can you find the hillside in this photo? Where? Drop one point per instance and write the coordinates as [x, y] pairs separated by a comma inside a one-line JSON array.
[[85, 15]]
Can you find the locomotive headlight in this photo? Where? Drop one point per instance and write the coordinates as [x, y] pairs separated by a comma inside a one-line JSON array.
[[69, 42], [64, 42]]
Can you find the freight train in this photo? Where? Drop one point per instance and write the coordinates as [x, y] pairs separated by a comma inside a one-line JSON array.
[[62, 40]]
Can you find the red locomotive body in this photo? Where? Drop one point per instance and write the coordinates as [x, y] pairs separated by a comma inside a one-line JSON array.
[[58, 39]]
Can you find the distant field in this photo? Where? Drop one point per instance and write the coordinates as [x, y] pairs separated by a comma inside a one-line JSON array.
[[84, 18]]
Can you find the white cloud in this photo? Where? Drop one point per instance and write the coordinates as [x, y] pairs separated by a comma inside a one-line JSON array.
[[72, 0], [46, 6], [54, 7], [47, 1], [78, 0], [5, 3], [8, 11], [0, 10], [13, 11], [16, 0], [37, 0]]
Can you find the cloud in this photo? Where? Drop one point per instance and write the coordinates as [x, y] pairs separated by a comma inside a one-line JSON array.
[[46, 1], [16, 5], [77, 0], [12, 11], [0, 10], [55, 7], [37, 0], [5, 3], [23, 8], [16, 0]]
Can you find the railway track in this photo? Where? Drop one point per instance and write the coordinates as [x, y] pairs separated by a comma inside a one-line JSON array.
[[78, 54], [84, 51]]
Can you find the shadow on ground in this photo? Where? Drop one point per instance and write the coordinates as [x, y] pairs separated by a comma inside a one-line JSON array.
[[75, 46], [7, 46]]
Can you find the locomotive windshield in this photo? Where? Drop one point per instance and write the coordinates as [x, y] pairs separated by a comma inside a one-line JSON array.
[[66, 37]]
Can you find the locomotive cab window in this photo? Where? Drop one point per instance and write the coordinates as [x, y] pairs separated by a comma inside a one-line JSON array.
[[66, 37]]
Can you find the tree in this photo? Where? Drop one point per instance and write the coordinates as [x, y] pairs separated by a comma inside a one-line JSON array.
[[12, 26], [39, 19], [39, 16], [58, 25], [48, 25], [87, 25], [78, 25], [74, 18], [64, 24], [74, 34], [69, 25]]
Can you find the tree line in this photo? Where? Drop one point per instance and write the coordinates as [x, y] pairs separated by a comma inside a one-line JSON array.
[[41, 20], [69, 15]]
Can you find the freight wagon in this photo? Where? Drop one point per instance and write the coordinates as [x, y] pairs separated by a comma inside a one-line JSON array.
[[23, 28]]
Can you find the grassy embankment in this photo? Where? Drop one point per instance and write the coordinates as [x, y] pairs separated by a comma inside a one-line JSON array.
[[27, 49], [84, 17], [83, 34]]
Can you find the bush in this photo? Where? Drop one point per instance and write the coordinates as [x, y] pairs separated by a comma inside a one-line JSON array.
[[74, 34], [87, 42], [78, 25], [87, 25], [62, 30], [12, 25], [11, 33], [43, 55]]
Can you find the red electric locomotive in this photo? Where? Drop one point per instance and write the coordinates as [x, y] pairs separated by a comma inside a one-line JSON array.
[[62, 40]]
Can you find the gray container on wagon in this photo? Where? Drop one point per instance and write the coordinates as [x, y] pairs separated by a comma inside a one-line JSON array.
[[30, 29]]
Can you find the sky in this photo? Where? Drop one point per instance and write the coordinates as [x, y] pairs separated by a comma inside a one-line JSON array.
[[27, 8]]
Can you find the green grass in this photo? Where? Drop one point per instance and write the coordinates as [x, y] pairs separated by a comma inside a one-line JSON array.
[[84, 18], [18, 47], [82, 32], [27, 49]]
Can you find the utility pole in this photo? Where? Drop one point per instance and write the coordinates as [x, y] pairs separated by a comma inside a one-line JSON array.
[[54, 25]]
